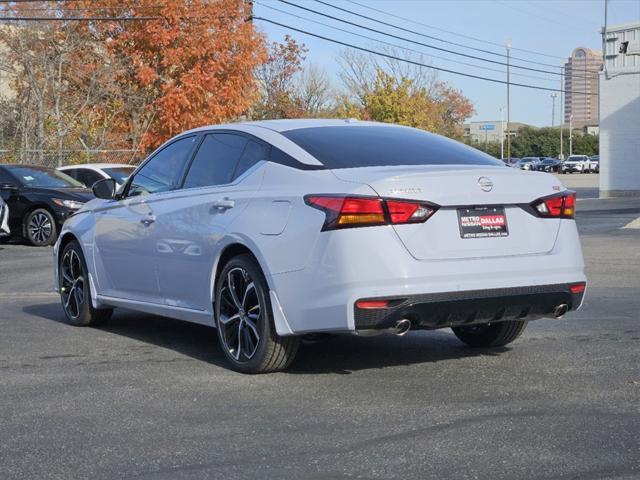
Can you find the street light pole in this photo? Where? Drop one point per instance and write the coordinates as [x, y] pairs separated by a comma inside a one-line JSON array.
[[570, 135], [561, 156], [553, 109], [502, 133], [508, 99]]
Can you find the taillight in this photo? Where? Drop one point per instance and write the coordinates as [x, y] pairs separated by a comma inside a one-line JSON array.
[[561, 205], [371, 304], [404, 211], [577, 287], [346, 212]]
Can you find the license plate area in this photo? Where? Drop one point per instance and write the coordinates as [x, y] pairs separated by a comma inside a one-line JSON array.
[[482, 222]]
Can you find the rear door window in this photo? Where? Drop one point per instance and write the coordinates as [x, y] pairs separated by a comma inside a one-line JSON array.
[[216, 160], [374, 146], [253, 153]]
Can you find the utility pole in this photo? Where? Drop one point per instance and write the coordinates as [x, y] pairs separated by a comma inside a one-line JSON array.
[[508, 100], [502, 133], [561, 156], [570, 135], [553, 109]]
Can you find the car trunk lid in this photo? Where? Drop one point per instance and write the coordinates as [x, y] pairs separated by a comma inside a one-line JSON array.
[[466, 191]]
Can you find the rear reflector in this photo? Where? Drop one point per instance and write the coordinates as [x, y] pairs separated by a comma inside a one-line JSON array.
[[369, 304], [577, 287], [562, 205], [345, 211]]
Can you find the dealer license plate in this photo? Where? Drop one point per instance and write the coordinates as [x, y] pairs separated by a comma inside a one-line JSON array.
[[482, 222]]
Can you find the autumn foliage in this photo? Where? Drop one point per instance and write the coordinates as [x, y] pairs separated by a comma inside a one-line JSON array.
[[193, 65], [137, 72]]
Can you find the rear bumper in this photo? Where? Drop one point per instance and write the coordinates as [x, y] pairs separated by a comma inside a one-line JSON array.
[[450, 309], [354, 264]]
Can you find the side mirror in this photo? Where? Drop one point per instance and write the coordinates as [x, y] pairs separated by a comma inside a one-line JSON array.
[[105, 188], [8, 187]]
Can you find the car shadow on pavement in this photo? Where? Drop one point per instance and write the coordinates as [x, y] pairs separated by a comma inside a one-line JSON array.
[[344, 354], [337, 354]]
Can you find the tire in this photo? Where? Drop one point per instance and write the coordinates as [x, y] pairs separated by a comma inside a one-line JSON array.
[[40, 228], [490, 334], [249, 340], [75, 289]]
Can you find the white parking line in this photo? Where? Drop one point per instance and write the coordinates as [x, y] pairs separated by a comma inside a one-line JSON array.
[[633, 224]]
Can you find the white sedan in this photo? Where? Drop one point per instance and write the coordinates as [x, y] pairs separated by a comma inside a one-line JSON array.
[[90, 173], [272, 230]]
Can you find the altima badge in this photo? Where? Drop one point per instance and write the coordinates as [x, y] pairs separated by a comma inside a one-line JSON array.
[[485, 184]]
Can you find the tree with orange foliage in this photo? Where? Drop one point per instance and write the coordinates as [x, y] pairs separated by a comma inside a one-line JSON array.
[[192, 66]]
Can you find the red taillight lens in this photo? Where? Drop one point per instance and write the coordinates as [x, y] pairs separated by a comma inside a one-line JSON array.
[[401, 211], [370, 304], [577, 287], [361, 211], [562, 205], [345, 212]]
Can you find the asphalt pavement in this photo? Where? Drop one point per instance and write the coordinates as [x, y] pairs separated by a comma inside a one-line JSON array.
[[151, 398]]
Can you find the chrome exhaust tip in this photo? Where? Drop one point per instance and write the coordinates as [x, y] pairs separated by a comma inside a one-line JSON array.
[[560, 310], [402, 327]]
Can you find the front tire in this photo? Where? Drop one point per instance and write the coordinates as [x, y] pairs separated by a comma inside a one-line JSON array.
[[75, 290], [244, 320], [490, 334], [40, 228]]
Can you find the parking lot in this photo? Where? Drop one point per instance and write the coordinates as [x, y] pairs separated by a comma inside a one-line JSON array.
[[150, 397]]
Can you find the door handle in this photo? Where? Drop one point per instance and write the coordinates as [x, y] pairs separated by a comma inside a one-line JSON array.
[[222, 205], [148, 221]]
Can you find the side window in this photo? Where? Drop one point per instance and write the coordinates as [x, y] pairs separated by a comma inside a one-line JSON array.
[[88, 177], [163, 171], [72, 172], [6, 178], [253, 153], [216, 160]]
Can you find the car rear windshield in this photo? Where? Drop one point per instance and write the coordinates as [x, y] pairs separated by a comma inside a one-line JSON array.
[[42, 177], [374, 146]]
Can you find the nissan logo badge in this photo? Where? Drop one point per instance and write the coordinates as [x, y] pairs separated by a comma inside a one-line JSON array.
[[485, 184]]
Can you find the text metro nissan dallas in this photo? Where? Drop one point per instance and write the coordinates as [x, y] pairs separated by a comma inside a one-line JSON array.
[[271, 230]]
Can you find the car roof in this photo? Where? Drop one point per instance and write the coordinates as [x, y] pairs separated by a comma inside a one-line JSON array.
[[97, 165], [25, 165], [285, 125]]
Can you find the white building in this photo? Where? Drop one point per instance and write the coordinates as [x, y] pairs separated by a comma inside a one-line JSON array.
[[620, 113], [491, 131]]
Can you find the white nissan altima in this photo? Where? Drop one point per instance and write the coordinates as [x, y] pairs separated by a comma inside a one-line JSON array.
[[272, 230]]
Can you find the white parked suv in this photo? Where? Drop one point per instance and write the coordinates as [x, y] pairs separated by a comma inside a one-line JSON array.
[[575, 163], [272, 230]]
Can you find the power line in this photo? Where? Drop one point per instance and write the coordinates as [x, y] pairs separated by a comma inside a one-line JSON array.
[[400, 46], [431, 36], [487, 42], [413, 62], [475, 57]]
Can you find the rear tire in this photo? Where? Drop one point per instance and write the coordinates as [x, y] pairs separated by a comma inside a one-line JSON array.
[[75, 289], [490, 334], [244, 320]]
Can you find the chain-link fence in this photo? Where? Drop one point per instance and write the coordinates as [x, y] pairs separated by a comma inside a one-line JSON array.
[[59, 158]]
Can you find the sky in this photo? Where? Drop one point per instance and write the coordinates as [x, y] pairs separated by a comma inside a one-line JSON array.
[[550, 27]]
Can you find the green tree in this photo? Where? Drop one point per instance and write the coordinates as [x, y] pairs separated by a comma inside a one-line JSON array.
[[393, 99]]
